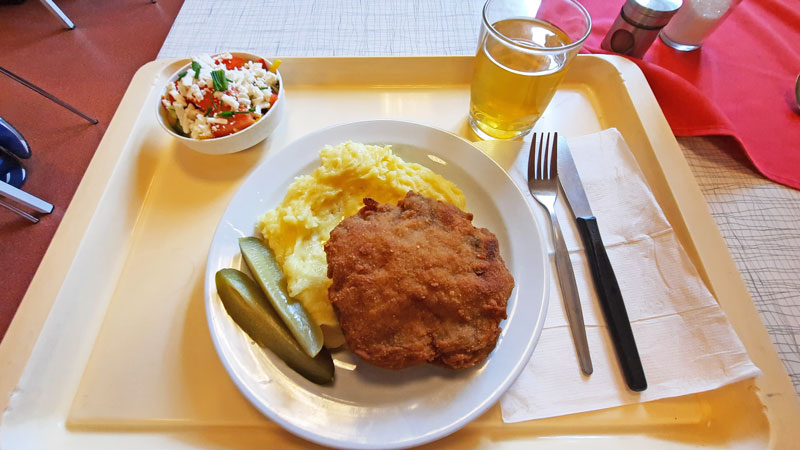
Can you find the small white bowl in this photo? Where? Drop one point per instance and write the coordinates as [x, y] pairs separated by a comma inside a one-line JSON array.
[[239, 140]]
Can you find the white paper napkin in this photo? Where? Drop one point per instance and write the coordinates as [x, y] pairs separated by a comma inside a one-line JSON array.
[[684, 339]]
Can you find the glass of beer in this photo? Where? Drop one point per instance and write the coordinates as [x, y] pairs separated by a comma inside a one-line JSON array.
[[524, 50]]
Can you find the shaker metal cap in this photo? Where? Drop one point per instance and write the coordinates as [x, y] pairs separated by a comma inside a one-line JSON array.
[[650, 13]]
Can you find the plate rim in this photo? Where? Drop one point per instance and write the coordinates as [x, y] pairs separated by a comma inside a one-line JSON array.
[[478, 409]]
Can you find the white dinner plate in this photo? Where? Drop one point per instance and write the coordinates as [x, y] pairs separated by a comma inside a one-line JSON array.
[[366, 406]]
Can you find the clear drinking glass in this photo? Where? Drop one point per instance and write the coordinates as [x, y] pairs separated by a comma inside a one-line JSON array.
[[695, 21], [524, 50]]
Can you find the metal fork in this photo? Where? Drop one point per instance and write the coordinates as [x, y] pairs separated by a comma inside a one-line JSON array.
[[543, 184]]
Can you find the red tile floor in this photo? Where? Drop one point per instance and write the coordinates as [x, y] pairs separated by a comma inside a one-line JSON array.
[[89, 67]]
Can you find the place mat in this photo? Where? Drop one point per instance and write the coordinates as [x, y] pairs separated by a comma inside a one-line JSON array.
[[685, 341], [739, 83]]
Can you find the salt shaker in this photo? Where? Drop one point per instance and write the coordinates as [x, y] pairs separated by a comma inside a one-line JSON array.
[[696, 20], [638, 24]]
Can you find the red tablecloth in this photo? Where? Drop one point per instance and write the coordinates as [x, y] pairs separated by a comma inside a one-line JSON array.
[[739, 83]]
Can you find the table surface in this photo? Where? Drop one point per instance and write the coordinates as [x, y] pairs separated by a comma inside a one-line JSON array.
[[759, 219]]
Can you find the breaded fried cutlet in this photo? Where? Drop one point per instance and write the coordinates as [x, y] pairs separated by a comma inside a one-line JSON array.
[[417, 283]]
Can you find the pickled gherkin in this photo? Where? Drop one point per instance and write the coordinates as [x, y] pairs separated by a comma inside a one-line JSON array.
[[269, 276], [249, 308]]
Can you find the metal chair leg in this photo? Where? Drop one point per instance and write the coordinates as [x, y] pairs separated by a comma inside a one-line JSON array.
[[41, 91], [53, 8]]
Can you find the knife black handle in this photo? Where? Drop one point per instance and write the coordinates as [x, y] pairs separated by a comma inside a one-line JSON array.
[[613, 307]]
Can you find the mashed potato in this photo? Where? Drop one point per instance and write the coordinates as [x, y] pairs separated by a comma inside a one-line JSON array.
[[297, 229]]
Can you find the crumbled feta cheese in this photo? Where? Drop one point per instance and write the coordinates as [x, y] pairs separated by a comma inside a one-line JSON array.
[[230, 101], [250, 88]]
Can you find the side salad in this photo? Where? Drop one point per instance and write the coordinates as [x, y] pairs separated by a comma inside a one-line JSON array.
[[220, 95]]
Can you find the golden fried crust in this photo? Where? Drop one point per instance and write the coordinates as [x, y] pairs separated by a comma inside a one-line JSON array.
[[417, 283]]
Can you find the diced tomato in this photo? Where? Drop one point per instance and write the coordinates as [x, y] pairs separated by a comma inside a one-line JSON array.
[[235, 123], [264, 64], [207, 101], [233, 63], [273, 99]]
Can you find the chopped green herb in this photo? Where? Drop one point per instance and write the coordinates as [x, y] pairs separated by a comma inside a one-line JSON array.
[[220, 82], [208, 111], [231, 113], [265, 87], [196, 68], [181, 75]]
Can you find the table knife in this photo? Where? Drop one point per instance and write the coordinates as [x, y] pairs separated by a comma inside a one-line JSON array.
[[603, 274]]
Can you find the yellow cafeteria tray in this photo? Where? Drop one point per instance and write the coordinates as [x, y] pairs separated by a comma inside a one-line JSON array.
[[110, 349]]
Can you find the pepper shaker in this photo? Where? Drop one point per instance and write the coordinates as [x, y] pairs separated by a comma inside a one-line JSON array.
[[638, 24]]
